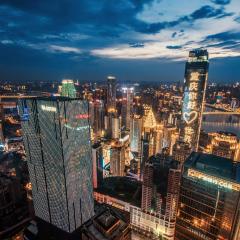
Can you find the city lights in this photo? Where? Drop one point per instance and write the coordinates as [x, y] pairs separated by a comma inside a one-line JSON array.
[[120, 120]]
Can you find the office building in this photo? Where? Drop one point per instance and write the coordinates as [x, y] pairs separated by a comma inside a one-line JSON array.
[[57, 142], [98, 118], [149, 126], [98, 164], [170, 137], [159, 138], [111, 94], [117, 159], [68, 88], [135, 133], [181, 151], [160, 189], [209, 203], [116, 127], [195, 81], [106, 224], [127, 106], [225, 144]]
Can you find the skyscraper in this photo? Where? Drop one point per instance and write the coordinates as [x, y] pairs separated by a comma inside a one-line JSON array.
[[111, 105], [97, 118], [136, 133], [57, 142], [111, 94], [127, 105], [160, 188], [195, 81], [225, 144], [68, 88], [117, 160], [209, 200], [181, 151], [116, 127], [98, 164]]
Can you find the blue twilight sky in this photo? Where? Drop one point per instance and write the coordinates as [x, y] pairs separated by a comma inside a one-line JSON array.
[[136, 40]]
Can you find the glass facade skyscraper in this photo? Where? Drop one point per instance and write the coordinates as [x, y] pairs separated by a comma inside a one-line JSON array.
[[57, 142], [136, 133], [127, 106], [68, 88], [209, 202], [195, 81]]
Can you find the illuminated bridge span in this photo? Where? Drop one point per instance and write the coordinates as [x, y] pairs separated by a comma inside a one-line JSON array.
[[221, 124], [221, 113]]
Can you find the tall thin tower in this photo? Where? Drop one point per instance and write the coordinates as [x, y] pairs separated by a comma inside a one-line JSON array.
[[111, 94], [195, 82]]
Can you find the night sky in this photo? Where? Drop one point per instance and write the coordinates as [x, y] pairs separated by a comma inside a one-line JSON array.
[[135, 40]]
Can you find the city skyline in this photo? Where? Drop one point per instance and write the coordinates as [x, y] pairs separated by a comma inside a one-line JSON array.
[[120, 120], [134, 41], [148, 153]]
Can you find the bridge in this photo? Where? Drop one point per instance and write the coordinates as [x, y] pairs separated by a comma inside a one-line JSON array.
[[221, 124], [221, 113]]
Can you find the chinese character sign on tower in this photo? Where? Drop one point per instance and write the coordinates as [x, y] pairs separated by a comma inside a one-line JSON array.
[[196, 73]]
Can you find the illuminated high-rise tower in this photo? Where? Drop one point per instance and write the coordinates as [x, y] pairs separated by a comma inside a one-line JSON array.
[[209, 199], [97, 118], [57, 141], [195, 81], [127, 104], [68, 88], [111, 94], [136, 133]]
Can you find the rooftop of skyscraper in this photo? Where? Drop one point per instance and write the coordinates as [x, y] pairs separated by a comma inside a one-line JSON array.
[[123, 188], [214, 165], [106, 224], [52, 98]]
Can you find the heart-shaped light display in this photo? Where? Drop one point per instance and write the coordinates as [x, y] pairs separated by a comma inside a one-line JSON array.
[[190, 117]]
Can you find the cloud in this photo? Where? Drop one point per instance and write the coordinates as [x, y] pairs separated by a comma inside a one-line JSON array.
[[174, 47], [204, 12], [224, 36], [221, 2], [209, 12], [174, 34], [136, 45], [237, 19], [64, 49], [6, 41], [178, 34]]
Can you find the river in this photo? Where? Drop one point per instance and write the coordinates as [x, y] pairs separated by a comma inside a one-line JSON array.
[[221, 122]]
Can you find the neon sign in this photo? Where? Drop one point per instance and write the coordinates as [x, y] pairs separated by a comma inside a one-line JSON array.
[[190, 113], [48, 108], [76, 128], [82, 116], [214, 180], [190, 117]]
